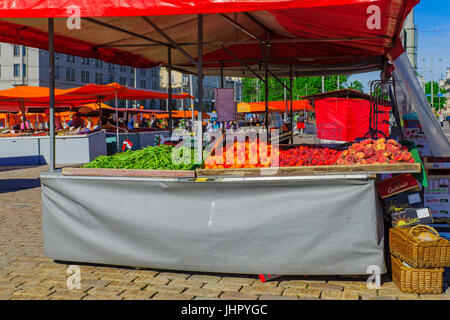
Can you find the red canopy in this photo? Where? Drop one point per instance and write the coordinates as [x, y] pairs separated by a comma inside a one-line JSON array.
[[317, 36]]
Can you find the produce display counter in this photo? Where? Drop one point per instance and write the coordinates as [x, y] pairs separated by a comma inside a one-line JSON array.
[[34, 150], [138, 139], [200, 221]]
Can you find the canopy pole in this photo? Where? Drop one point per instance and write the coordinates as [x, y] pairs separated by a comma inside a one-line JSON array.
[[191, 99], [117, 122], [99, 101], [51, 71], [169, 74], [291, 89], [266, 88], [200, 86]]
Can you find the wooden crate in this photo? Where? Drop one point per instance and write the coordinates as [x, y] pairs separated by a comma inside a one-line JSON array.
[[316, 170], [437, 168], [77, 171]]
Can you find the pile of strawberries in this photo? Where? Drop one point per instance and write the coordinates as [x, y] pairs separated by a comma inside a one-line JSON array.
[[308, 156], [378, 151]]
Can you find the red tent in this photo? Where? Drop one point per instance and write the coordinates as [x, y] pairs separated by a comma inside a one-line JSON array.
[[315, 36], [345, 119]]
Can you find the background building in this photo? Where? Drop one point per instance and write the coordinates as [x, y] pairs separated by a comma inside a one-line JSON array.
[[20, 65], [410, 39], [181, 83]]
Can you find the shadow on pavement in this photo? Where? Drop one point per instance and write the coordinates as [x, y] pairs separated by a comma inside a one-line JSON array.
[[11, 185]]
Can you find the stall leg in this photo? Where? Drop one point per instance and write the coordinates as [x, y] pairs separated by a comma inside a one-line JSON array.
[[169, 74], [51, 71], [200, 86]]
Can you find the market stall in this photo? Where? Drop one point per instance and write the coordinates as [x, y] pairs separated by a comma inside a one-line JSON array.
[[30, 104], [274, 218]]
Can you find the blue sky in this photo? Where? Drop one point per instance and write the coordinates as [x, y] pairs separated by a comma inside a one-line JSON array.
[[432, 19]]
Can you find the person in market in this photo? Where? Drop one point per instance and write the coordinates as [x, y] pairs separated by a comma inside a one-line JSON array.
[[25, 125], [76, 122], [58, 125], [209, 126]]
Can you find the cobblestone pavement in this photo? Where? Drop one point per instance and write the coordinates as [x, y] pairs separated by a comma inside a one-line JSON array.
[[26, 274]]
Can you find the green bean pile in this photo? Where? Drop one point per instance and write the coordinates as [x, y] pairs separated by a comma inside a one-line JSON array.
[[155, 158]]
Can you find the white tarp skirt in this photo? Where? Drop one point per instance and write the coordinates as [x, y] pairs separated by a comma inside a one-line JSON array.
[[293, 226]]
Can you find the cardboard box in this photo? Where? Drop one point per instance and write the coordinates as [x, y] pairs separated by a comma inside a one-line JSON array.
[[411, 217], [396, 185], [439, 211], [436, 186], [437, 199], [401, 201]]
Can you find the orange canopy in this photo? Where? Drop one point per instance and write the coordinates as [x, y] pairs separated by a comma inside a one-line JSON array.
[[10, 99], [274, 106]]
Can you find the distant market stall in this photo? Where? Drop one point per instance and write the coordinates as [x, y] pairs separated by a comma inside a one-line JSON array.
[[317, 215], [23, 103]]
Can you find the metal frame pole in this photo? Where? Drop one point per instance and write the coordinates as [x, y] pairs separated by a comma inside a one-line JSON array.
[[169, 74], [291, 93], [51, 73], [266, 88], [200, 85], [117, 123]]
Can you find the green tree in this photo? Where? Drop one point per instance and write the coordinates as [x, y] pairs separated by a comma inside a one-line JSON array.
[[356, 85], [439, 103], [253, 89]]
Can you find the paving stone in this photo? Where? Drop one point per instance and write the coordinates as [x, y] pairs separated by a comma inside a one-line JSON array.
[[204, 278], [261, 290], [171, 276], [171, 296], [325, 286], [293, 284], [105, 291], [222, 286], [169, 289], [136, 293], [237, 280], [203, 292], [369, 297], [185, 283], [302, 293], [435, 297], [276, 297], [5, 296], [361, 291], [155, 281], [390, 292], [124, 285], [338, 295], [67, 295], [102, 297], [230, 295]]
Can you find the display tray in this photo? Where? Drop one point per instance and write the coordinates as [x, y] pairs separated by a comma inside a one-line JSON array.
[[316, 170], [77, 171]]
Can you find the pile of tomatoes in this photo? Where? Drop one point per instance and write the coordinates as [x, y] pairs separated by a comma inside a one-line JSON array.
[[308, 156]]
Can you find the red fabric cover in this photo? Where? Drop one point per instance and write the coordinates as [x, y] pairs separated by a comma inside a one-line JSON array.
[[122, 8], [314, 19], [343, 119]]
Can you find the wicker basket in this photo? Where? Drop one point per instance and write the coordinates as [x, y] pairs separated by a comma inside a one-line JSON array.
[[421, 281], [405, 244]]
